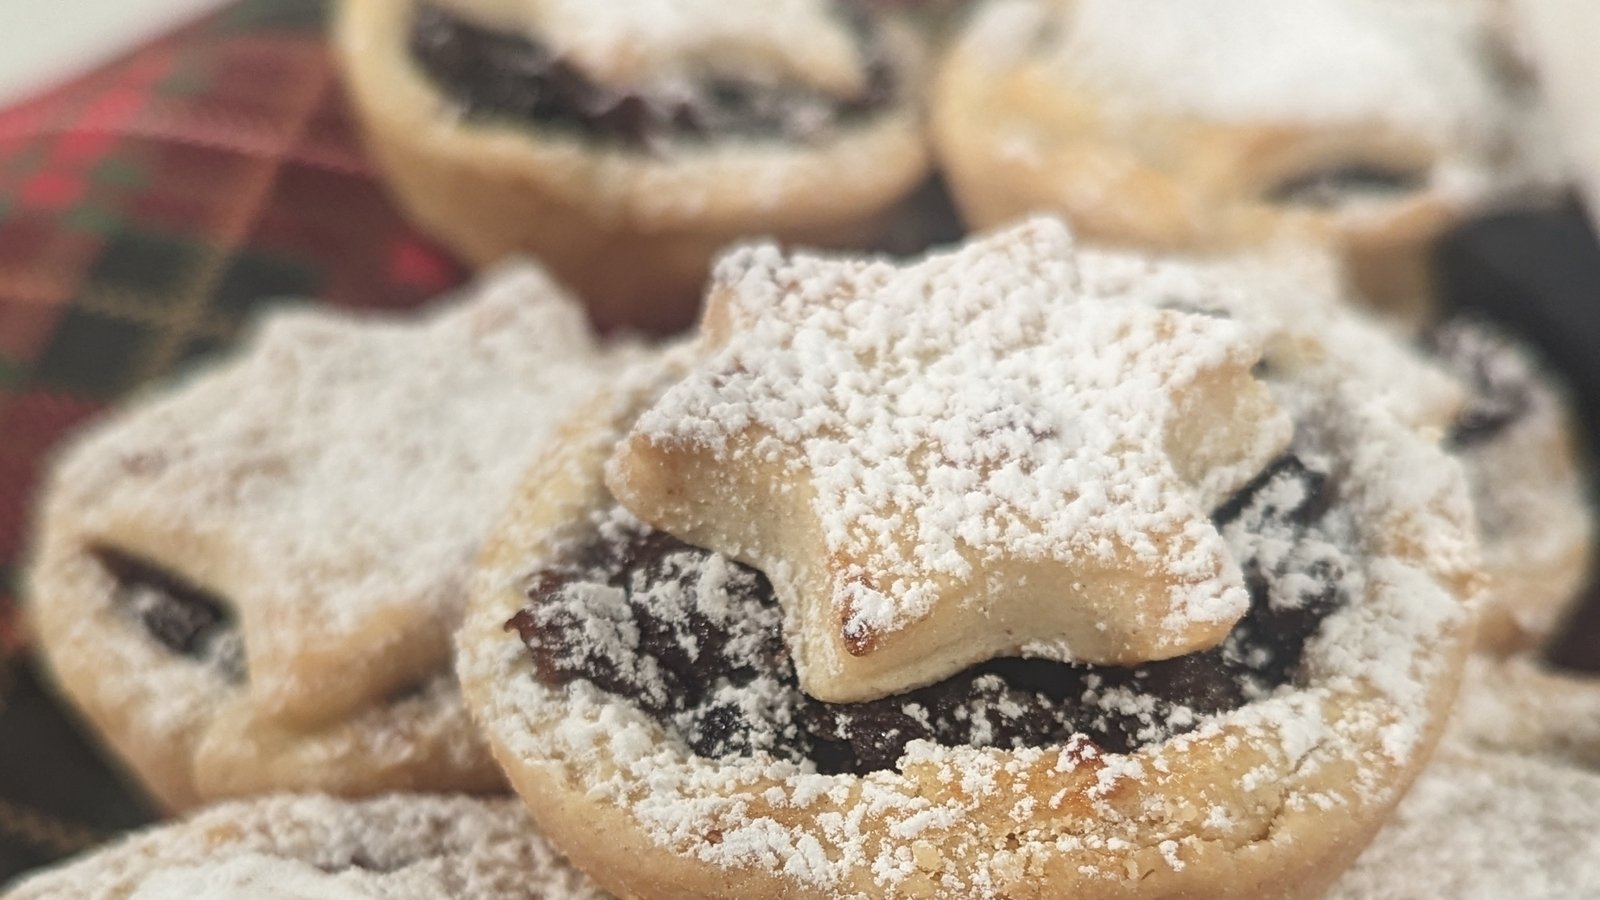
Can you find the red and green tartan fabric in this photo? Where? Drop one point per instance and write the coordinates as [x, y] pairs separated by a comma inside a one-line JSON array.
[[150, 208], [147, 211]]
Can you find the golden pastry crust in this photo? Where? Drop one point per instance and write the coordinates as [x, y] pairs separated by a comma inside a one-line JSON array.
[[419, 847], [1530, 485], [875, 612], [1510, 804], [633, 233], [247, 583], [1021, 126], [1482, 825], [1271, 800], [1520, 706], [187, 733]]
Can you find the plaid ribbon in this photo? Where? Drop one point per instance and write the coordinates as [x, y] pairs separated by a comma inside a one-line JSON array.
[[147, 211]]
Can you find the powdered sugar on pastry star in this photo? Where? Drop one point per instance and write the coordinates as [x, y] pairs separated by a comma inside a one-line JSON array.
[[246, 581], [979, 455], [332, 484]]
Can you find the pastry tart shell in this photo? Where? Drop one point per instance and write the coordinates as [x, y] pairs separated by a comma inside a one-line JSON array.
[[632, 232], [1034, 823]]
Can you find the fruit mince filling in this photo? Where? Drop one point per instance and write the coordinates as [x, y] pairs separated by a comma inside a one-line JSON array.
[[695, 640], [492, 74], [1500, 384], [1329, 186], [184, 619]]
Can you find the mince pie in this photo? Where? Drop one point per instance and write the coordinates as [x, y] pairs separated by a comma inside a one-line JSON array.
[[1510, 806], [248, 582], [1481, 825], [321, 848], [1366, 125], [625, 143], [1516, 437], [1016, 571]]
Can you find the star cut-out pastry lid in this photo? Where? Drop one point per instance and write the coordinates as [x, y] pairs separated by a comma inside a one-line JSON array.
[[979, 455], [332, 482]]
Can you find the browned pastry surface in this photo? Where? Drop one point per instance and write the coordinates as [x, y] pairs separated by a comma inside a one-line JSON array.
[[633, 227], [658, 794], [1368, 127], [247, 582]]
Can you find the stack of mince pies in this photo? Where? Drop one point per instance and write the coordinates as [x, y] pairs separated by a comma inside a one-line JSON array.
[[625, 143], [1053, 561], [1019, 569]]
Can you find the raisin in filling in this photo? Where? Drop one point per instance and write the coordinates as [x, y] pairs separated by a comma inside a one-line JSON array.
[[696, 641], [1500, 387], [185, 619], [493, 74]]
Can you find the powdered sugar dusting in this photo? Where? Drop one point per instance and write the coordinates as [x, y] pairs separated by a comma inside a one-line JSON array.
[[697, 641], [980, 409], [971, 822], [1530, 493], [1344, 80], [258, 877], [1415, 63], [338, 473], [185, 726], [1516, 706], [319, 848], [1486, 826], [626, 43], [331, 485]]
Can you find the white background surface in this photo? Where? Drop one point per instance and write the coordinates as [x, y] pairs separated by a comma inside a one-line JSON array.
[[44, 41]]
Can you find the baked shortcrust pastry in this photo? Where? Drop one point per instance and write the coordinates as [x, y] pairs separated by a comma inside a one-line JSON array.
[[625, 143], [1366, 125], [1020, 571], [1530, 484], [321, 848], [1481, 825], [1510, 806], [247, 582], [1528, 707]]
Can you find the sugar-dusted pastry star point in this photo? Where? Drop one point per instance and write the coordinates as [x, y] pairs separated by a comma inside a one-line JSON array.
[[979, 454], [326, 475]]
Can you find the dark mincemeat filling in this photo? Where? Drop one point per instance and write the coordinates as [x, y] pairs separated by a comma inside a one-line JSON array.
[[635, 613], [1502, 390], [492, 74], [189, 621], [1333, 185], [1500, 387], [183, 618]]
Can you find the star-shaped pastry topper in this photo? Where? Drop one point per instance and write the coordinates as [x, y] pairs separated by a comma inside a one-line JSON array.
[[333, 482], [982, 454]]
